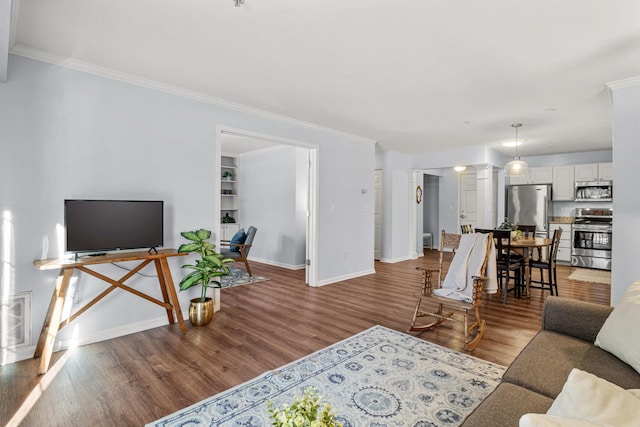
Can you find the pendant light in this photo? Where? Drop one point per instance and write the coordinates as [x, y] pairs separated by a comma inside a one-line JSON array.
[[516, 166]]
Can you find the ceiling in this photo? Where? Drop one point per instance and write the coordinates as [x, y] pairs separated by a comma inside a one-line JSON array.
[[415, 75]]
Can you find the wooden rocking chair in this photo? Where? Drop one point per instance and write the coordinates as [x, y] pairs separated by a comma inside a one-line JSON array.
[[474, 326]]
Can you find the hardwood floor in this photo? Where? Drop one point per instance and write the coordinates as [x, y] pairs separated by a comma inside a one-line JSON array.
[[136, 379]]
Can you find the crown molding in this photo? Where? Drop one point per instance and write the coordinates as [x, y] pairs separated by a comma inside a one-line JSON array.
[[624, 83], [108, 73]]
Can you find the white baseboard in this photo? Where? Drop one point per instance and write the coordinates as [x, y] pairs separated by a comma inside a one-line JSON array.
[[394, 260], [345, 277], [22, 353], [11, 355], [278, 264]]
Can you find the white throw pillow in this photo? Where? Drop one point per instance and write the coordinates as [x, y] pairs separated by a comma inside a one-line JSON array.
[[616, 336], [542, 420], [588, 397]]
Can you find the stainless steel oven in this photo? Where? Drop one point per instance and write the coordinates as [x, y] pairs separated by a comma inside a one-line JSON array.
[[592, 231]]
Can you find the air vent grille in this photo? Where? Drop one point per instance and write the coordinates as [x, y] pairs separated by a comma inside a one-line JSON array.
[[15, 320]]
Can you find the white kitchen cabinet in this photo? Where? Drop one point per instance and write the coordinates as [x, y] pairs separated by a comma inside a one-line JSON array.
[[594, 172], [563, 183], [605, 171], [539, 175], [586, 172], [564, 248], [519, 179]]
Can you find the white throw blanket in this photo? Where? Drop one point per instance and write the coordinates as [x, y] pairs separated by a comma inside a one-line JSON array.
[[466, 263]]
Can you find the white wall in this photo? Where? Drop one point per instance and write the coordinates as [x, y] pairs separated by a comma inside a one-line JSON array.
[[625, 268], [69, 134], [273, 198], [395, 206]]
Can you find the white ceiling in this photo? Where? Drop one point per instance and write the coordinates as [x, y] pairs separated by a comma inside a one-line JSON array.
[[415, 75]]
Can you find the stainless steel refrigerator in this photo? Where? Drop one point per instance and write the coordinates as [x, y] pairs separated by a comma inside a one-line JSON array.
[[530, 205]]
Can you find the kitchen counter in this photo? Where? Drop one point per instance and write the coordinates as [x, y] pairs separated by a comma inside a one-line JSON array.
[[562, 220]]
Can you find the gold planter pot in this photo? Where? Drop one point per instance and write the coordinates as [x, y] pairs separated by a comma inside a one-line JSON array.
[[201, 312]]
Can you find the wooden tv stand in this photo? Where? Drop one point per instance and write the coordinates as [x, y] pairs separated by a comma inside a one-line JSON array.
[[53, 323]]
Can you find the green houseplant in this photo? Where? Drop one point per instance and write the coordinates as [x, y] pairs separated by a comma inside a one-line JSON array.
[[305, 411], [206, 272]]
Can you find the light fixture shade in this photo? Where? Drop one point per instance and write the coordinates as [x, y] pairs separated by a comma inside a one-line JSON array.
[[516, 167], [459, 168]]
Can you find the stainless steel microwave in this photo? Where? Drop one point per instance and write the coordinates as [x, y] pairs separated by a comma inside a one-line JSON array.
[[594, 191]]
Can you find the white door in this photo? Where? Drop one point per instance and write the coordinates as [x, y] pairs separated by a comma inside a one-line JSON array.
[[377, 216], [468, 199]]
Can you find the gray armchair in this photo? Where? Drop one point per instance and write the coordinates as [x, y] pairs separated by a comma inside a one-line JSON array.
[[239, 252]]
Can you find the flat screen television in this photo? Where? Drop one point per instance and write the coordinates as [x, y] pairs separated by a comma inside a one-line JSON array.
[[107, 225]]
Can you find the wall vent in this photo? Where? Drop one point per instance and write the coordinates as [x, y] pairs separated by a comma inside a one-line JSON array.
[[15, 320]]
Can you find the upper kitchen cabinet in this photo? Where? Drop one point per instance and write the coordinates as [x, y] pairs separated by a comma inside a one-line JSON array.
[[563, 183], [539, 175], [605, 171], [594, 172]]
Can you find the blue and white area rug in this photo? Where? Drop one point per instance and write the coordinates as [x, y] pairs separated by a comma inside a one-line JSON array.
[[378, 378], [238, 277]]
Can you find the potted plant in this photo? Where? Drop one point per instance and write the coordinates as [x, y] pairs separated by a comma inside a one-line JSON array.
[[306, 410], [206, 273], [508, 225]]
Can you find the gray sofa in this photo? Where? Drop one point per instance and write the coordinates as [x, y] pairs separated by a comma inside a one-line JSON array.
[[537, 375]]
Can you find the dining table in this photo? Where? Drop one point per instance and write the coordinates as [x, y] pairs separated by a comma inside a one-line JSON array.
[[524, 245]]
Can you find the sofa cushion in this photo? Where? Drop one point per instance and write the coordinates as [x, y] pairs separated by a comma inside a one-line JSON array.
[[505, 405], [545, 363], [584, 395], [544, 420], [614, 336]]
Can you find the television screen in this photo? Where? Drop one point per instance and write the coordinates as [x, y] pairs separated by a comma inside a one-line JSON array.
[[103, 225]]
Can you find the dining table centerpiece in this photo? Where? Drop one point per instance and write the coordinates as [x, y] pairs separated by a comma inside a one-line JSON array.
[[508, 225]]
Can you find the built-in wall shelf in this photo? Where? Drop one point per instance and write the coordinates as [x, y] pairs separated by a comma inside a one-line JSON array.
[[229, 201]]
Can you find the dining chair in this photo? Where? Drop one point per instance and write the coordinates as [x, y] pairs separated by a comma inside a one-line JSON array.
[[548, 264], [507, 263], [466, 228], [529, 231]]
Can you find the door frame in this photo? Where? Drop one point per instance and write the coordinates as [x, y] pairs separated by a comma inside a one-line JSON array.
[[312, 204]]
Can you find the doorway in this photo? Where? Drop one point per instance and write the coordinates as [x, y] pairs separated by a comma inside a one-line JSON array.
[[468, 200], [431, 212], [302, 176]]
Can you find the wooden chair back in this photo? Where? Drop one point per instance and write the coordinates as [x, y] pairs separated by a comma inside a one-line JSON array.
[[466, 228], [527, 230], [553, 252], [449, 243]]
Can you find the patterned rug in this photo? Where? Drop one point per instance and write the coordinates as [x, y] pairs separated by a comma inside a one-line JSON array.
[[377, 378], [239, 277], [590, 275]]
